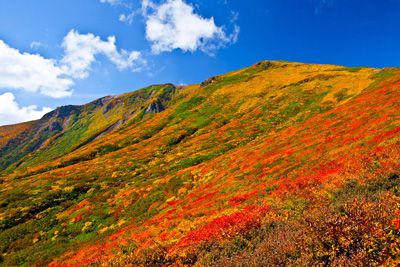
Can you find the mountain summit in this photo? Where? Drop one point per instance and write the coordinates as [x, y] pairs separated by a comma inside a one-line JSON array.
[[280, 163]]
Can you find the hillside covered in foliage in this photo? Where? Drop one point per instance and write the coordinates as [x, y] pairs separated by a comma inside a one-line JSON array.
[[279, 163]]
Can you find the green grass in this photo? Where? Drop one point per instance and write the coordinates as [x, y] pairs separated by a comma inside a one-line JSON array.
[[349, 69], [192, 161]]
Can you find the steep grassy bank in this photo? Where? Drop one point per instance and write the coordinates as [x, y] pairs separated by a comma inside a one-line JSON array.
[[236, 166]]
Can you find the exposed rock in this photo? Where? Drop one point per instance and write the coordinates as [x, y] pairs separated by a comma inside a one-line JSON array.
[[155, 107], [109, 106], [55, 126], [62, 112], [208, 81]]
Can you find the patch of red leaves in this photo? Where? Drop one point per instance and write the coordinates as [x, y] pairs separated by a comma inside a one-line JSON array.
[[226, 226]]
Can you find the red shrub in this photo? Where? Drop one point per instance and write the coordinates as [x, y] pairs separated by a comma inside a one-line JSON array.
[[226, 226]]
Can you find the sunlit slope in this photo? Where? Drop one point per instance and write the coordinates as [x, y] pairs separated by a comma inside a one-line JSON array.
[[9, 132], [240, 151], [70, 127], [283, 91]]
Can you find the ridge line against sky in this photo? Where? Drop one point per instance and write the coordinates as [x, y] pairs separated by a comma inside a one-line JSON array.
[[55, 53], [171, 25]]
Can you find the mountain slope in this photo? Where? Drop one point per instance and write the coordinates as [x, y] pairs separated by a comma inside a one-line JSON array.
[[70, 127], [10, 132], [162, 175]]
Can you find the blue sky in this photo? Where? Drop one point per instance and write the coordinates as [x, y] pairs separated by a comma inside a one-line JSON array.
[[65, 49]]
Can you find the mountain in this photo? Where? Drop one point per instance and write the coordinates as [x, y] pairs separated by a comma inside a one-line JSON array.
[[71, 127], [280, 163]]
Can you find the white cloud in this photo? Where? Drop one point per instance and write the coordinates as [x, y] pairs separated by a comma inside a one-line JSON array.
[[80, 51], [54, 78], [128, 18], [11, 112], [111, 2], [32, 73], [35, 45], [35, 74], [175, 25]]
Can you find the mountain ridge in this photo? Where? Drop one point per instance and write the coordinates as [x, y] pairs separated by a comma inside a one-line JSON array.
[[55, 123], [171, 175]]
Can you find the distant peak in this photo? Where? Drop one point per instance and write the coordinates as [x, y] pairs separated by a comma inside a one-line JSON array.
[[62, 112]]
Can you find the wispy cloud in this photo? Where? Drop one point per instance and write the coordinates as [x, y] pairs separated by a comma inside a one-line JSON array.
[[36, 45], [128, 17], [111, 2], [32, 73], [81, 50], [36, 74], [175, 25]]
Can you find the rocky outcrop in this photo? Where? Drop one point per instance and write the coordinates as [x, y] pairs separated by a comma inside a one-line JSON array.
[[155, 107], [208, 81]]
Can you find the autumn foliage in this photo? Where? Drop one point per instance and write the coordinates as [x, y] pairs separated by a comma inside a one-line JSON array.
[[277, 164]]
